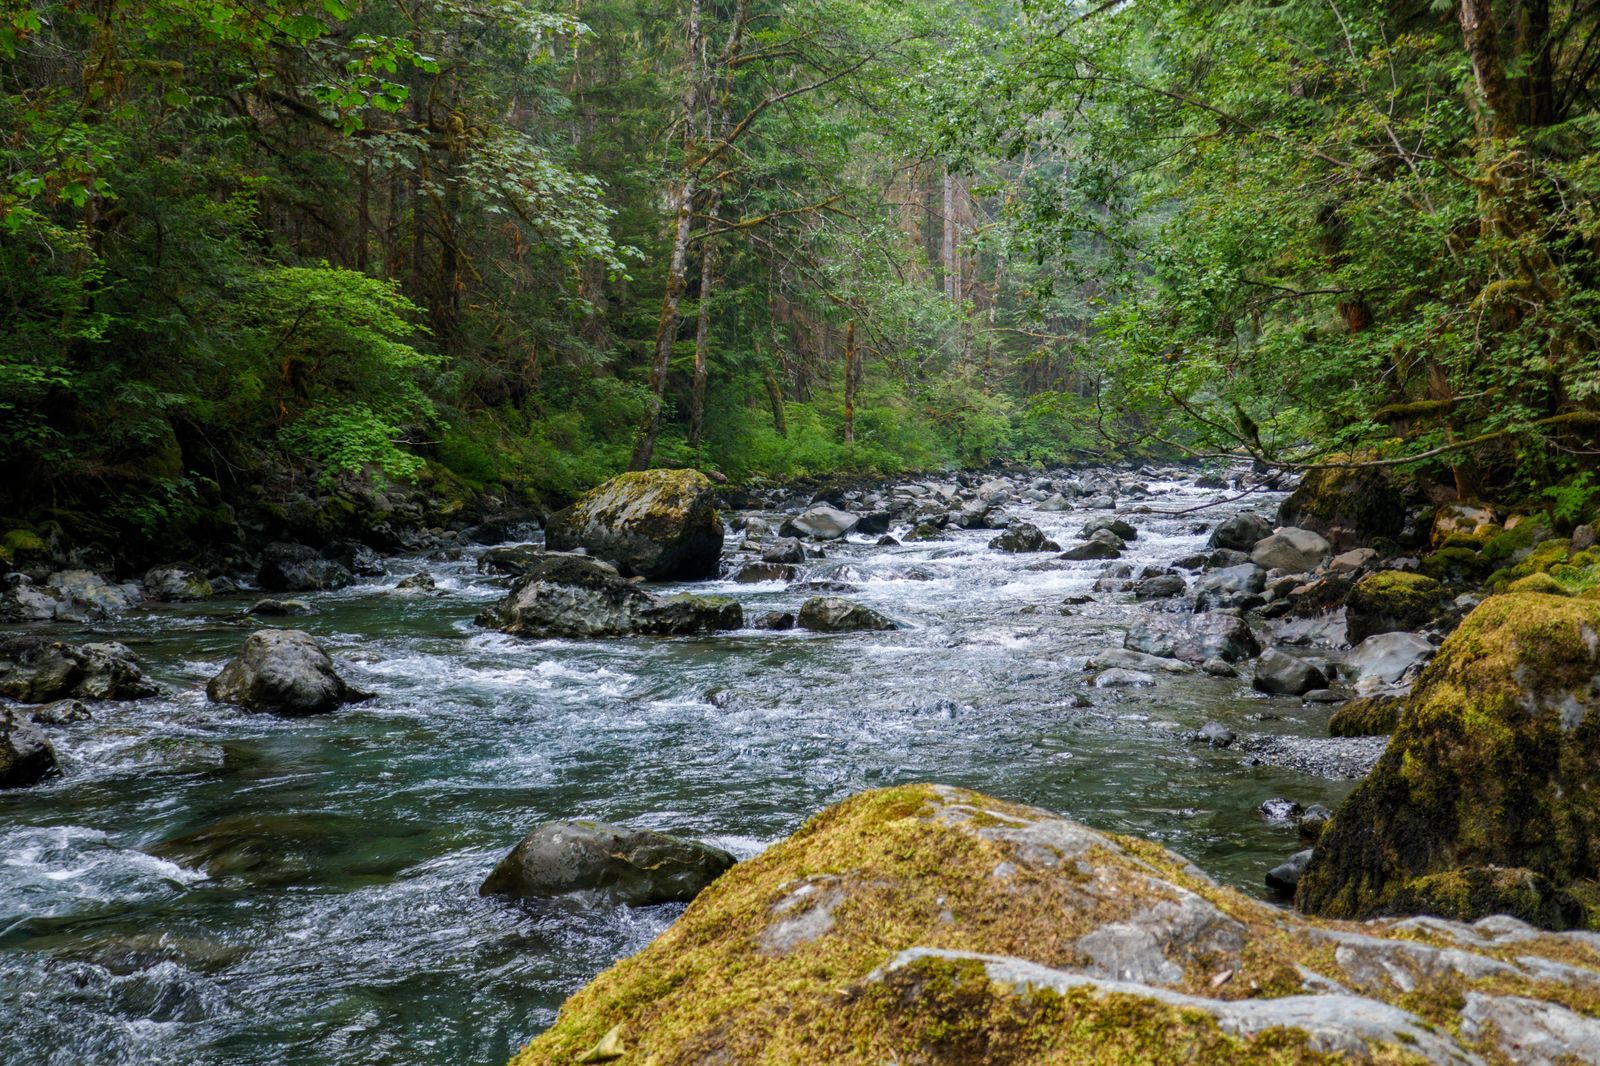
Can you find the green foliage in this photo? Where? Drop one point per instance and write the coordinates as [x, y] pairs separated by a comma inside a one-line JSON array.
[[1572, 499]]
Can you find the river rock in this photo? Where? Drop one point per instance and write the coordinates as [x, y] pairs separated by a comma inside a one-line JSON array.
[[281, 608], [1283, 878], [1352, 561], [1387, 658], [299, 568], [954, 927], [85, 596], [785, 550], [1283, 674], [833, 614], [1241, 532], [1392, 601], [1023, 537], [874, 523], [634, 866], [566, 595], [1278, 809], [1296, 551], [1092, 549], [37, 669], [518, 524], [282, 671], [1116, 526], [1231, 586], [1351, 507], [658, 524], [754, 573], [1159, 587], [1461, 520], [175, 584], [1481, 802], [61, 712], [1126, 659], [1194, 640], [1054, 504], [777, 620], [1216, 735], [821, 522], [981, 515], [26, 756]]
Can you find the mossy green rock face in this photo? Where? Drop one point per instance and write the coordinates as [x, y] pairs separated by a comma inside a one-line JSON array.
[[931, 925], [1350, 507], [1392, 601], [1366, 716], [1494, 765], [658, 524]]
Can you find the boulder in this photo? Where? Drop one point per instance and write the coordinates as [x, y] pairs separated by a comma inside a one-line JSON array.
[[518, 524], [786, 550], [1240, 533], [1092, 549], [1350, 506], [299, 568], [833, 614], [84, 596], [821, 522], [1283, 878], [1193, 640], [1391, 601], [174, 584], [26, 757], [1215, 735], [1352, 561], [281, 608], [1160, 587], [1482, 802], [754, 573], [981, 515], [1386, 659], [874, 523], [37, 669], [1366, 716], [1231, 586], [927, 924], [282, 671], [22, 601], [1023, 537], [1471, 520], [423, 582], [1116, 526], [61, 712], [1284, 675], [634, 866], [513, 559], [658, 524], [1053, 504], [565, 595], [1294, 550], [776, 620]]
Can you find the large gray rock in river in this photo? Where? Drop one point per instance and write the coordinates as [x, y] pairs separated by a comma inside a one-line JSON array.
[[26, 757], [1023, 537], [634, 866], [1240, 533], [1193, 640], [834, 614], [1285, 675], [37, 669], [284, 671], [1231, 586], [1386, 658], [299, 568], [563, 595], [1291, 549], [821, 522], [657, 524]]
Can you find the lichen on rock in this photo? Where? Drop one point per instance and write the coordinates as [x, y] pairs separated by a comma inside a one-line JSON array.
[[925, 924], [658, 524]]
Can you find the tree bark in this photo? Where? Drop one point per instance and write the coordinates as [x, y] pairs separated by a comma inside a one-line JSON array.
[[775, 398], [947, 249], [678, 263], [850, 383], [1497, 106], [702, 331]]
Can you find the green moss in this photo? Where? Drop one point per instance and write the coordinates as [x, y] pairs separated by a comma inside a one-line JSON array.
[[21, 547], [1455, 564], [1538, 583], [1491, 765], [1508, 545], [1467, 894], [1393, 600], [1368, 716]]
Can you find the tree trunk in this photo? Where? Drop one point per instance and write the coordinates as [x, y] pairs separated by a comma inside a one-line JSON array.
[[1497, 107], [947, 250], [850, 383], [702, 331], [678, 264], [775, 398]]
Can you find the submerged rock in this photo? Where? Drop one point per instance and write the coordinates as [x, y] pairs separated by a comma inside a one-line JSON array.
[[834, 614], [925, 924], [633, 866], [26, 756], [658, 524], [1483, 802], [36, 669], [282, 671], [564, 595]]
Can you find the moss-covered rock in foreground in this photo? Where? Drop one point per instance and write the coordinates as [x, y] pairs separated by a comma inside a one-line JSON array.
[[1487, 799], [658, 524], [1391, 601], [930, 925]]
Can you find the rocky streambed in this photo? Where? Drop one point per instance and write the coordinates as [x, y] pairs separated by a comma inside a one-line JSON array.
[[202, 882]]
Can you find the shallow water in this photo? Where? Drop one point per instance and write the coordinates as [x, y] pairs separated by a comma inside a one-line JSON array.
[[204, 885]]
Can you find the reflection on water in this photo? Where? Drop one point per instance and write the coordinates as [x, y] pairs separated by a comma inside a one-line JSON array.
[[208, 886]]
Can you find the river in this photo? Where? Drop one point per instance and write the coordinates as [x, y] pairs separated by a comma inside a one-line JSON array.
[[207, 886]]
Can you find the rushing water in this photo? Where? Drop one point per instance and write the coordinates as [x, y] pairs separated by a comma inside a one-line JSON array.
[[204, 885]]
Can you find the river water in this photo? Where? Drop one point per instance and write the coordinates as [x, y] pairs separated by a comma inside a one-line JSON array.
[[204, 885]]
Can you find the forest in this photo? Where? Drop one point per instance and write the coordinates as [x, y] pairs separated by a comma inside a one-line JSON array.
[[260, 250]]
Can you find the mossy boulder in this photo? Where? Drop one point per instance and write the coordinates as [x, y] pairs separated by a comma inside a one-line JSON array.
[[657, 524], [925, 924], [1350, 506], [1494, 764], [1393, 601], [23, 549], [1366, 716]]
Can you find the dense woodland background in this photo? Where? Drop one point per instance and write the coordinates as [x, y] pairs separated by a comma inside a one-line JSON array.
[[253, 251]]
